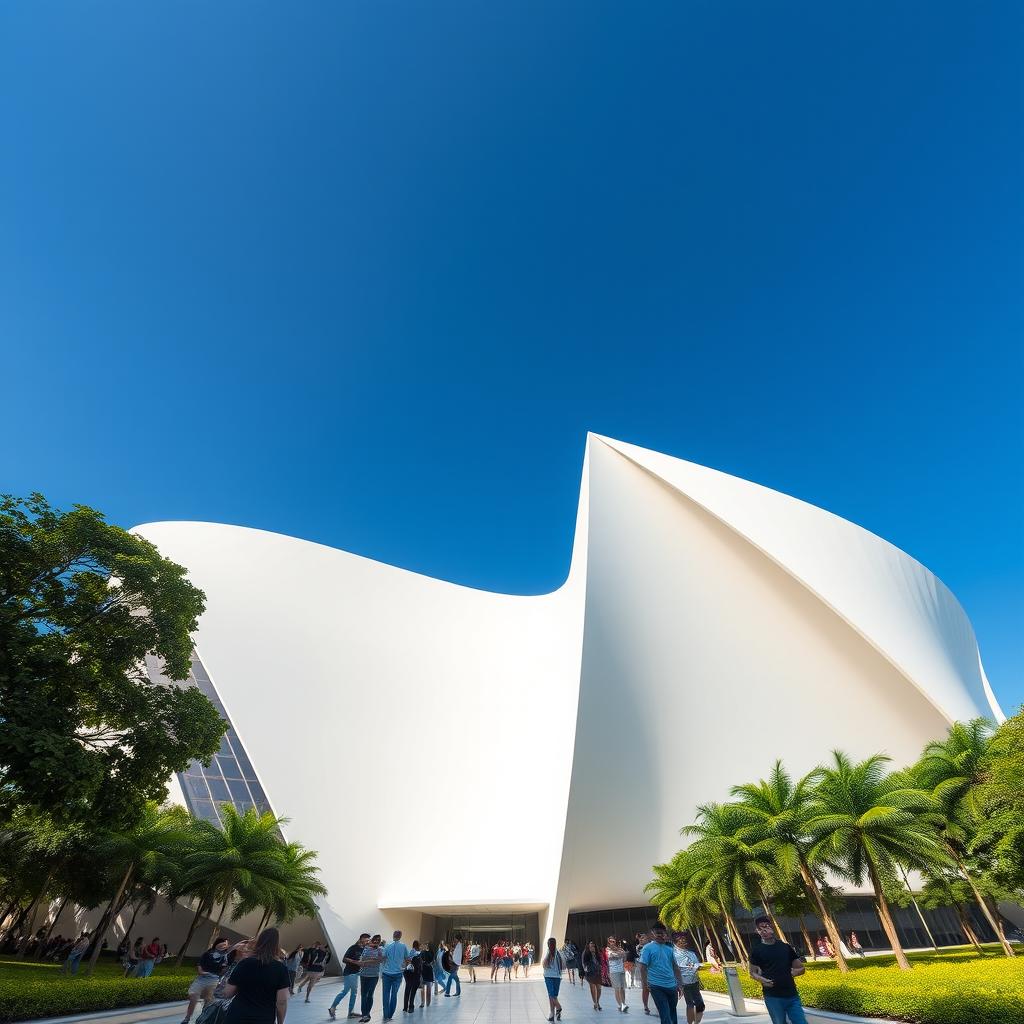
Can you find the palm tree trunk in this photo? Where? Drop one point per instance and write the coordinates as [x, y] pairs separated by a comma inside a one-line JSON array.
[[216, 926], [107, 920], [718, 939], [807, 937], [885, 916], [15, 924], [191, 931], [993, 910], [989, 916], [53, 924], [263, 922], [770, 911], [928, 931], [741, 948], [31, 913], [967, 929], [811, 886]]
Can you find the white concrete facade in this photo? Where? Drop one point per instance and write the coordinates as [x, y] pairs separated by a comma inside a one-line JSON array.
[[707, 626]]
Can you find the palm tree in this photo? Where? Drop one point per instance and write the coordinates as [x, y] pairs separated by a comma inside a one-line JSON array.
[[951, 770], [782, 808], [945, 890], [238, 860], [868, 822], [680, 903], [152, 845], [294, 894]]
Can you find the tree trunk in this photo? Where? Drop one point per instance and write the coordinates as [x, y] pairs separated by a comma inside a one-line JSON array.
[[19, 919], [885, 916], [216, 925], [53, 924], [967, 929], [31, 914], [993, 913], [741, 948], [928, 931], [807, 937], [989, 916], [107, 920], [203, 904], [826, 917], [131, 923], [770, 911], [719, 948]]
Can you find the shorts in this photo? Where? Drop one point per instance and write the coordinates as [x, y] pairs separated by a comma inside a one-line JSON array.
[[691, 993], [552, 985], [618, 979], [203, 986]]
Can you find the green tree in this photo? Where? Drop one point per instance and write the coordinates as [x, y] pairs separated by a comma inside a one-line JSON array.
[[237, 864], [952, 770], [153, 847], [782, 809], [868, 822], [1000, 799], [680, 902], [84, 734]]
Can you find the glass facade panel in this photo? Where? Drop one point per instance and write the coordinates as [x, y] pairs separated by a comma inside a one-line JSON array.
[[205, 788]]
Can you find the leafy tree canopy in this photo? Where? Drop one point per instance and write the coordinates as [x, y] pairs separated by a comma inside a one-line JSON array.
[[84, 733]]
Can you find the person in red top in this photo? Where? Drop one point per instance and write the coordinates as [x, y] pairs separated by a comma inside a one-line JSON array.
[[497, 956], [147, 958]]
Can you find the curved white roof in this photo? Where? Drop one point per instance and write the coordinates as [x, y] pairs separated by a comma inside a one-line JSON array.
[[444, 747]]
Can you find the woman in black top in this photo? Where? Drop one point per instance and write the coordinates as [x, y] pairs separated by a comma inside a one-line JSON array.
[[590, 968], [413, 977], [426, 974], [259, 984]]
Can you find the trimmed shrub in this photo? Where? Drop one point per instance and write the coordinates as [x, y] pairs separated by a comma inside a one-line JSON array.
[[945, 989]]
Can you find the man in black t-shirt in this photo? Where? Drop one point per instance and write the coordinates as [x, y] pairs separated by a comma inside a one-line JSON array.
[[775, 964], [209, 969], [350, 976]]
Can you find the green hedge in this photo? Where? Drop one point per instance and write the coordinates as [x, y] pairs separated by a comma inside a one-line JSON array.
[[944, 989]]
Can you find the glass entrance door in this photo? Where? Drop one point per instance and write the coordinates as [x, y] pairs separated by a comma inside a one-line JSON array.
[[488, 930]]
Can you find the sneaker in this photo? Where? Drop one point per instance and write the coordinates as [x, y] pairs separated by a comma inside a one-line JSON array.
[[331, 1013], [353, 1016]]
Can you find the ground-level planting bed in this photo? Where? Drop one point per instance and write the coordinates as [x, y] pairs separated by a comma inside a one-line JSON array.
[[954, 987], [29, 989]]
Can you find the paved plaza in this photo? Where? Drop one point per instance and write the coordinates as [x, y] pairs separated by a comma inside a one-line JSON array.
[[516, 1002]]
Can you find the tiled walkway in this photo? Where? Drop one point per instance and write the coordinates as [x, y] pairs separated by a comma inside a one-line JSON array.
[[516, 1002]]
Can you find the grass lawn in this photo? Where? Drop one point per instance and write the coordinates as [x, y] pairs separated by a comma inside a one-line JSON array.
[[955, 986], [29, 989]]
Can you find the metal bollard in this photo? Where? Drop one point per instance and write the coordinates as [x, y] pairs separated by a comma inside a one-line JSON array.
[[736, 997]]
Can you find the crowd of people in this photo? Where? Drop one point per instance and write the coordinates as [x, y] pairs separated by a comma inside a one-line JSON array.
[[251, 981]]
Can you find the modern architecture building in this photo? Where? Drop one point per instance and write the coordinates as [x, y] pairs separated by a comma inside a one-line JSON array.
[[707, 625]]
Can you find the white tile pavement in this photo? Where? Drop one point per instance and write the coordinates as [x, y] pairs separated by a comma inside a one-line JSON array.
[[522, 1001]]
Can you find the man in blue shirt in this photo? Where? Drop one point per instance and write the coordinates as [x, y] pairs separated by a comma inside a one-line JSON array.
[[396, 956], [660, 973]]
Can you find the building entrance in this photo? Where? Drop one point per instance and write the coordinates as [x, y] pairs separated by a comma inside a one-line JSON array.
[[488, 930]]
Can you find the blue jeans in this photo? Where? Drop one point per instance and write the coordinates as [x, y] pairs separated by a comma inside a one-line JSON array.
[[390, 984], [145, 969], [349, 984], [665, 1000], [454, 976], [781, 1007], [72, 962], [366, 987]]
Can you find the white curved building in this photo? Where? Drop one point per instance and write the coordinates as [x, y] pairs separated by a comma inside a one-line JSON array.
[[707, 626]]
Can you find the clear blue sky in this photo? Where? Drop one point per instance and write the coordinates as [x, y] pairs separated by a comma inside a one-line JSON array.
[[366, 272]]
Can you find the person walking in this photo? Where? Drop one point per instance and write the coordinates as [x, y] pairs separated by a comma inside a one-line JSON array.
[[689, 964], [369, 974], [590, 968], [629, 945], [645, 992], [474, 961], [147, 959], [775, 964], [75, 954], [616, 957], [349, 977], [392, 969], [209, 969], [258, 986], [553, 964], [571, 956], [293, 964], [427, 976], [659, 971], [452, 965], [440, 975], [316, 964], [413, 974]]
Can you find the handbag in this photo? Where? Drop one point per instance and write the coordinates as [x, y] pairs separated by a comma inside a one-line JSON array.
[[214, 1013]]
